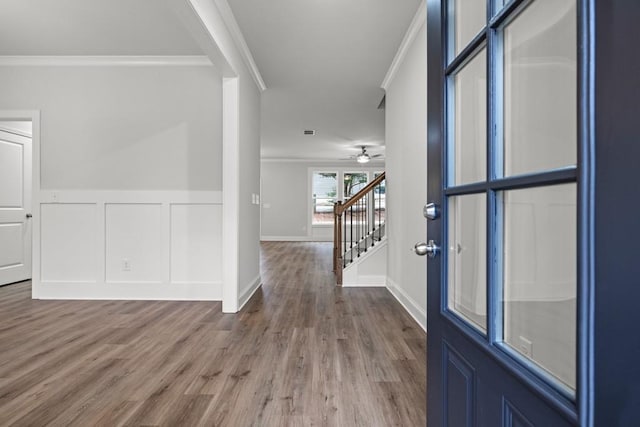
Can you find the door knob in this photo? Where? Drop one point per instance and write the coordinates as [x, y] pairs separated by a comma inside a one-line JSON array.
[[430, 249], [29, 215]]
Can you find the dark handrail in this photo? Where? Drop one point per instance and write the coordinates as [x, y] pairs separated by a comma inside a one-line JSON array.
[[360, 194]]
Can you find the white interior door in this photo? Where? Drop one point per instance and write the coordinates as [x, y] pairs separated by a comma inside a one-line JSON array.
[[15, 205]]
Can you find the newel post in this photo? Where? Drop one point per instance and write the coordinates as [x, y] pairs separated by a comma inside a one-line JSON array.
[[337, 239]]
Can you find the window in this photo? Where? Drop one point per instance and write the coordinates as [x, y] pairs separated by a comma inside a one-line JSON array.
[[354, 182], [327, 187], [324, 193]]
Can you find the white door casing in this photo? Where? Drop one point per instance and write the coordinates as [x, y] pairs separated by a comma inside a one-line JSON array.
[[15, 206]]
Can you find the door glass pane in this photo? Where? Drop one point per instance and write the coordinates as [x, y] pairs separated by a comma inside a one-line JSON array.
[[469, 145], [539, 289], [324, 190], [540, 83], [467, 258], [467, 18]]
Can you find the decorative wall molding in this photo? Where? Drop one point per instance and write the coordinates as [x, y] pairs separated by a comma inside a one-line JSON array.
[[105, 61], [413, 308], [418, 20], [137, 196], [146, 245], [240, 42]]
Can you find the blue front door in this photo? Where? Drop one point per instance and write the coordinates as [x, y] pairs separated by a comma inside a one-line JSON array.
[[506, 289]]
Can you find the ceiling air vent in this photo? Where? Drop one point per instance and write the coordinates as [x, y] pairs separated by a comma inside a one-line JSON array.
[[309, 132]]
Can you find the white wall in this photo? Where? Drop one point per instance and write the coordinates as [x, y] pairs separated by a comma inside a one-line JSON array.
[[249, 220], [406, 152], [286, 198], [121, 127], [130, 173]]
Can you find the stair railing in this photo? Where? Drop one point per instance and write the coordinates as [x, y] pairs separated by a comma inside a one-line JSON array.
[[358, 224]]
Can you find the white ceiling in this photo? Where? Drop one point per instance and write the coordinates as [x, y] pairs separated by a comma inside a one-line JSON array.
[[92, 27], [323, 62]]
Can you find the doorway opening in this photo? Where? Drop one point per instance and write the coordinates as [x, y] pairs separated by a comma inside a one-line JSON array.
[[19, 195]]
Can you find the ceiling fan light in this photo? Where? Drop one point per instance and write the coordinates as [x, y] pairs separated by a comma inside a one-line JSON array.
[[363, 158]]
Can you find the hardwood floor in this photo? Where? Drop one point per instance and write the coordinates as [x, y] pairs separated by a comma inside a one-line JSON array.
[[301, 352]]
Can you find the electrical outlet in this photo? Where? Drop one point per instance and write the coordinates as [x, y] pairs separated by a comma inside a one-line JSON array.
[[526, 347], [126, 264]]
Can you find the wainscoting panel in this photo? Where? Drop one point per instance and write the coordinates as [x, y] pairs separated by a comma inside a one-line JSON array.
[[196, 253], [69, 243], [130, 245], [134, 243]]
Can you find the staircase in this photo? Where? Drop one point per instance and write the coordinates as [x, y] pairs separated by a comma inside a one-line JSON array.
[[359, 225]]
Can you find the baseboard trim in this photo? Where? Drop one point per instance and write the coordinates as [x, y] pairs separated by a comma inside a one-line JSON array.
[[51, 290], [363, 285], [294, 239], [248, 292], [414, 310]]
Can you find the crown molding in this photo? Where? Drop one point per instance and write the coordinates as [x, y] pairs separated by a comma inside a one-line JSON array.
[[105, 61], [418, 20], [241, 44]]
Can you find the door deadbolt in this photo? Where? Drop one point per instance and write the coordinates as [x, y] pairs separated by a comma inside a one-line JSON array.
[[431, 211]]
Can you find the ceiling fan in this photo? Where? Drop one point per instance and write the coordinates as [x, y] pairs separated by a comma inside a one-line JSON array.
[[365, 157]]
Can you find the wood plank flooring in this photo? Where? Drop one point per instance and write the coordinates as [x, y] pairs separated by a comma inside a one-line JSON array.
[[302, 352]]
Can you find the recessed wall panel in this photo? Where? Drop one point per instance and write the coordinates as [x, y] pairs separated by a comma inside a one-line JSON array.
[[12, 247], [196, 243], [133, 242], [68, 242], [459, 389]]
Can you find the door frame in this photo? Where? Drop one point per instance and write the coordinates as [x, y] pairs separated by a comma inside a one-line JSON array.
[[34, 117]]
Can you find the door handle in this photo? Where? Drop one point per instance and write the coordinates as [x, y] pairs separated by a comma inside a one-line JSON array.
[[29, 216], [430, 249]]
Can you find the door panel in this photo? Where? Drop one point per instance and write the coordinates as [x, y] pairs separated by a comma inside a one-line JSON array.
[[502, 164], [15, 204], [459, 388]]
